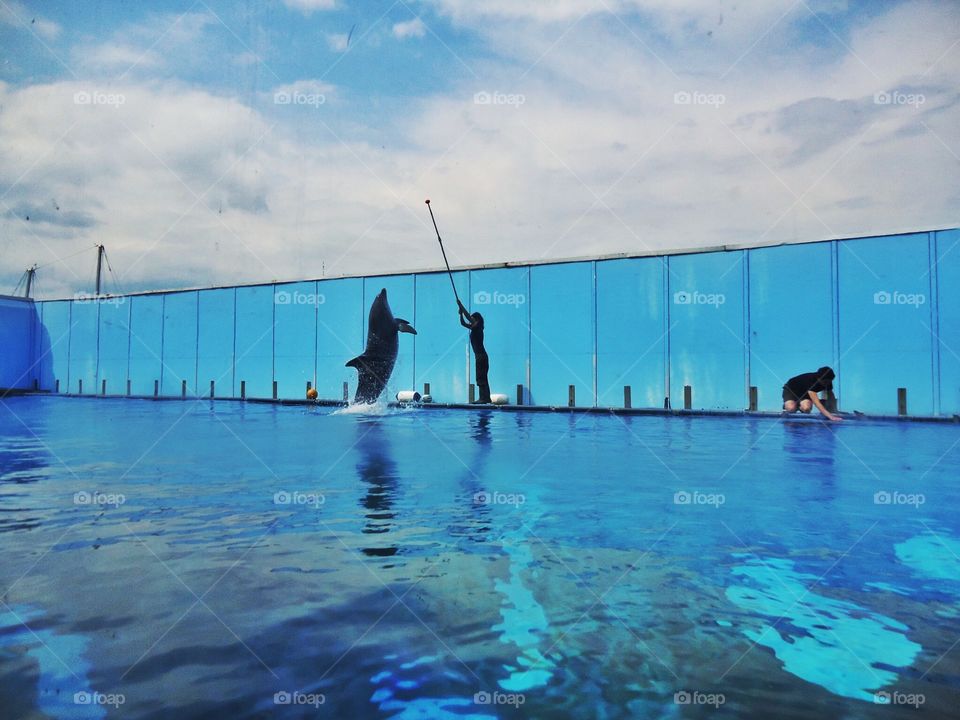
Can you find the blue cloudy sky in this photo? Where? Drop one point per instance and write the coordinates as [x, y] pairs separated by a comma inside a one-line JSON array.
[[217, 142]]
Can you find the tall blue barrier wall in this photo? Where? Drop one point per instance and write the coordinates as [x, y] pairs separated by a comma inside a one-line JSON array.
[[706, 326]]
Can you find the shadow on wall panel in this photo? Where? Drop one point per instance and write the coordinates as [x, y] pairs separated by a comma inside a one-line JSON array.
[[791, 316], [631, 332], [562, 333], [83, 347], [179, 345], [253, 363], [400, 295], [114, 354], [340, 335], [215, 329], [55, 346], [501, 296], [18, 330], [146, 343], [295, 344], [885, 337], [707, 342], [948, 332], [442, 343]]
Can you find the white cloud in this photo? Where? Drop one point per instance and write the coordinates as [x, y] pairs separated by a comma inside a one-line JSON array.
[[308, 6], [338, 42], [598, 158], [410, 29], [16, 15]]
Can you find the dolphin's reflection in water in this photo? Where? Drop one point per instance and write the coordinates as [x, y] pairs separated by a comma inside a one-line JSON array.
[[378, 470]]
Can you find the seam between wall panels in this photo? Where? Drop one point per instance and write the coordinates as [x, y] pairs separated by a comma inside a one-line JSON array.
[[529, 377], [596, 399], [163, 333], [273, 339], [129, 341], [747, 331], [69, 340], [934, 283], [835, 316], [196, 350], [414, 379], [665, 295], [233, 359], [316, 330]]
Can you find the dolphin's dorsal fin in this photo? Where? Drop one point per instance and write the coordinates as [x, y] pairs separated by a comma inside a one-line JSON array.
[[356, 362]]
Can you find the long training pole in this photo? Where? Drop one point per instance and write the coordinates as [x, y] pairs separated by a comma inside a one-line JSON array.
[[450, 274]]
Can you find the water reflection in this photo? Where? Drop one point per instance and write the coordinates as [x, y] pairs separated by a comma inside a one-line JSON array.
[[378, 470]]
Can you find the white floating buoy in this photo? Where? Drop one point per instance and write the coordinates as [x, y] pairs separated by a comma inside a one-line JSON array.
[[426, 399], [499, 399], [407, 396]]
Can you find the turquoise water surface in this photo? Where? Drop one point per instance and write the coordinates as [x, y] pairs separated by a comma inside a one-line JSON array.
[[197, 559]]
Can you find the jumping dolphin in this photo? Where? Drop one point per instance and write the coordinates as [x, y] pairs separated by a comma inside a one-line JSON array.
[[376, 363]]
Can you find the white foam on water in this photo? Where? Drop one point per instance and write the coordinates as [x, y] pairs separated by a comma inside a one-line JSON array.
[[839, 643], [380, 407]]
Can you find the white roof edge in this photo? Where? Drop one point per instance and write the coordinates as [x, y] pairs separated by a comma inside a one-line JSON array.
[[522, 263]]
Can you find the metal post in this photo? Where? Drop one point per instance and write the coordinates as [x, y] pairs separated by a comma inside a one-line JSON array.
[[80, 386], [56, 386], [627, 397], [473, 391], [103, 388], [426, 388], [687, 397], [901, 401], [31, 271], [519, 394], [183, 388], [212, 385], [243, 389], [572, 395], [99, 267], [274, 389], [156, 388], [128, 386], [753, 398]]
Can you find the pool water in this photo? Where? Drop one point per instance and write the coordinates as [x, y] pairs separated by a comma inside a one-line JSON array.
[[198, 559]]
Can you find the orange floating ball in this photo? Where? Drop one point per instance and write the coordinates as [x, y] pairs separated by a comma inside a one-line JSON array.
[[312, 394]]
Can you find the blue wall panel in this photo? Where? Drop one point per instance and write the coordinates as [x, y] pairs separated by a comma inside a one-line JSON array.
[[19, 325], [948, 331], [502, 296], [562, 320], [215, 325], [885, 324], [340, 335], [55, 345], [146, 342], [295, 343], [631, 332], [707, 338], [114, 345], [254, 348], [791, 316], [179, 344], [83, 347], [400, 295], [442, 343]]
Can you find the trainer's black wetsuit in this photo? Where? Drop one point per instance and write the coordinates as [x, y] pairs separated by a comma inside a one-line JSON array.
[[483, 361]]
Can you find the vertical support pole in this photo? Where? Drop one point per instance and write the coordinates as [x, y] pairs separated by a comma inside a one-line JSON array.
[[426, 388], [36, 384], [346, 393], [687, 397], [901, 401], [183, 389], [31, 271], [99, 268], [627, 397], [753, 398], [128, 386], [571, 395], [212, 387], [56, 386], [473, 391], [156, 388], [103, 387], [274, 389], [309, 385], [519, 394], [80, 386], [243, 389]]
